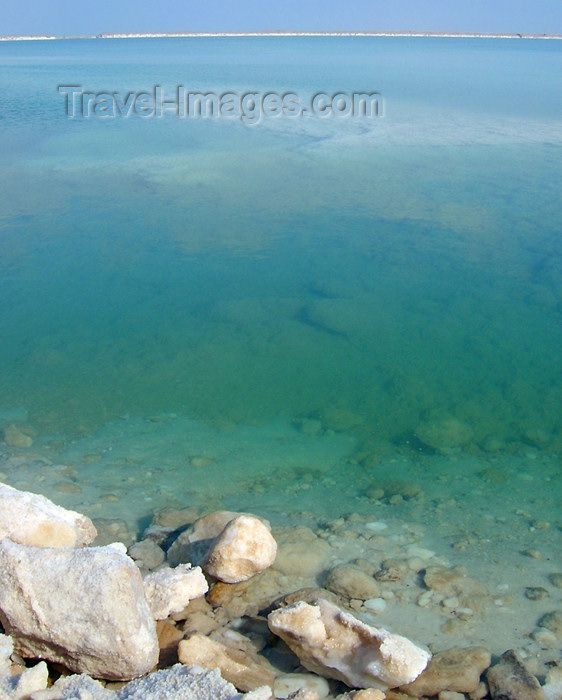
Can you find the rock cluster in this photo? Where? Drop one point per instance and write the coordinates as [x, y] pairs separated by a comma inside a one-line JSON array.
[[238, 606]]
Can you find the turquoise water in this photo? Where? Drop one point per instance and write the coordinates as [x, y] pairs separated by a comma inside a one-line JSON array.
[[359, 288]]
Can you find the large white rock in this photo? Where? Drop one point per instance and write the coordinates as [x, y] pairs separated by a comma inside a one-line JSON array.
[[169, 591], [84, 608], [29, 518], [335, 644], [229, 546], [244, 548]]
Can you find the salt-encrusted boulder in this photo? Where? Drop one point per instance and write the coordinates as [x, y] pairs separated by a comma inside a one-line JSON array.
[[83, 608], [193, 544], [510, 679], [229, 546], [29, 518], [169, 591], [335, 644], [244, 548], [21, 686]]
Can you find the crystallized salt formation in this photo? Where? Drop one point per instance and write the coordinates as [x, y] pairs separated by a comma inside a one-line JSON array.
[[335, 644]]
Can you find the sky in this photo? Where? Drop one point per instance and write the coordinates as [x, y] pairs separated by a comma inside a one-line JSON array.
[[86, 17]]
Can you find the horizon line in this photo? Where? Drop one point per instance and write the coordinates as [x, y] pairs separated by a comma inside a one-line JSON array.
[[279, 33]]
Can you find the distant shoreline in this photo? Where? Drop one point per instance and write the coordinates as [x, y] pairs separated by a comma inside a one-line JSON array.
[[164, 35]]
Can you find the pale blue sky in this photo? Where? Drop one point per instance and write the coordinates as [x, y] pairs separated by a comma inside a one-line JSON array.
[[95, 16]]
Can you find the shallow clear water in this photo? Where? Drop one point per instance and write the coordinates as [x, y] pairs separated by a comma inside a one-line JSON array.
[[298, 297]]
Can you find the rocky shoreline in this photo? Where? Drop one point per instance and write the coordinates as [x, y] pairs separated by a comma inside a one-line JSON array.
[[246, 611]]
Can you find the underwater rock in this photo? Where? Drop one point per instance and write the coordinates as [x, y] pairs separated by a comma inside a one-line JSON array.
[[169, 591], [174, 517], [456, 669], [444, 434], [335, 644], [552, 621], [28, 518], [352, 582], [83, 608], [300, 552], [509, 679], [244, 548], [392, 570], [232, 654], [308, 426], [147, 554], [13, 437], [397, 487], [453, 583], [340, 420], [307, 595], [112, 530]]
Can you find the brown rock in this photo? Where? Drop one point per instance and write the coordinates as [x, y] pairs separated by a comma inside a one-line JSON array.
[[392, 570], [13, 437], [352, 582], [175, 518], [553, 622], [112, 530], [300, 552], [307, 595], [233, 655], [250, 597], [169, 636], [456, 669], [509, 679], [147, 554]]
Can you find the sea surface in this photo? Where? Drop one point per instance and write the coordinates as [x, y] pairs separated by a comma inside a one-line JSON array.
[[289, 316]]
